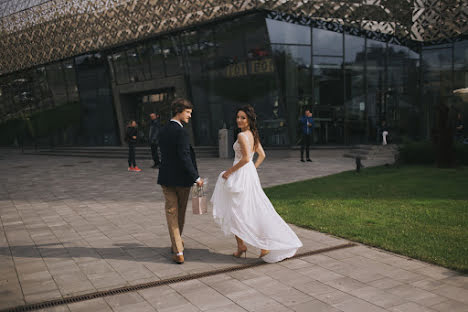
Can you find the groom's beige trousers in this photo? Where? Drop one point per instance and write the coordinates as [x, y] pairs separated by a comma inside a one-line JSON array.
[[176, 205]]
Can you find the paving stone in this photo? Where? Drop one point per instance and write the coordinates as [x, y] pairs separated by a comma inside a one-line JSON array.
[[314, 288], [345, 284], [256, 301], [201, 295], [385, 283], [452, 292], [320, 274], [451, 306], [315, 306], [40, 296], [436, 272], [123, 300], [290, 297], [74, 234], [231, 287], [61, 308], [95, 305], [166, 299], [378, 297], [334, 297], [457, 280], [417, 295], [411, 307], [228, 308], [357, 305]]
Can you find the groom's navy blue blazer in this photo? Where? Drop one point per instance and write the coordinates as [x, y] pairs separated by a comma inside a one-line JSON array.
[[178, 164]]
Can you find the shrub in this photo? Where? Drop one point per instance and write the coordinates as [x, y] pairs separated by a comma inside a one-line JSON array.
[[417, 153], [424, 153]]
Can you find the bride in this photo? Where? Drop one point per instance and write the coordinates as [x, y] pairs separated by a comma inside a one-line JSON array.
[[241, 207]]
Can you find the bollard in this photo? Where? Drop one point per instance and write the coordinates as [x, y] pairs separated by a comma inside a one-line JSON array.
[[358, 164]]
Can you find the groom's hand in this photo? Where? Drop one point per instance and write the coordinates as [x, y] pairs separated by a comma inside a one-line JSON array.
[[200, 182]]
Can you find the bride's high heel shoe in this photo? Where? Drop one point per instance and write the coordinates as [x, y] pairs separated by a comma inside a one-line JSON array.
[[240, 251], [263, 253]]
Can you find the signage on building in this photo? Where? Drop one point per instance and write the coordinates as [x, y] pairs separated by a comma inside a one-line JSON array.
[[252, 67]]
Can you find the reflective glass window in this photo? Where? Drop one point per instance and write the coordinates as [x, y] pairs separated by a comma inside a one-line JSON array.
[[230, 44], [461, 53], [208, 48], [57, 84], [135, 68], [283, 32], [119, 60], [70, 79], [157, 60], [295, 63], [256, 38], [189, 41], [172, 56], [461, 65], [355, 56], [327, 42]]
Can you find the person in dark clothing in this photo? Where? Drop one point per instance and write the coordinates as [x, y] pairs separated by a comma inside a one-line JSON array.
[[307, 128], [155, 126], [131, 138], [178, 172], [459, 128]]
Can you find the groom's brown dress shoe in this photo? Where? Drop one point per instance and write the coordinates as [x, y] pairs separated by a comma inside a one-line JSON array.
[[178, 259]]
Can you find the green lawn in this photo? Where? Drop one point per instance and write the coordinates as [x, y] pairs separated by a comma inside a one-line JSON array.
[[417, 211]]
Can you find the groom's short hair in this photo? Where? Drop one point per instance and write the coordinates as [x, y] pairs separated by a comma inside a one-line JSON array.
[[179, 105]]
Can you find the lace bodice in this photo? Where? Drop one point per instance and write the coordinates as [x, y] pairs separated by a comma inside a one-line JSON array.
[[238, 151]]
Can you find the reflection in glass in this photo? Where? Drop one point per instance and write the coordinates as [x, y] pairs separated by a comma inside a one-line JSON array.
[[375, 70], [172, 56], [57, 85], [157, 60], [283, 32], [327, 42], [70, 79], [461, 53], [328, 99], [119, 60]]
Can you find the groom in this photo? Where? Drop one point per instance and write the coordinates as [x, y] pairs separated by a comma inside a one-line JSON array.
[[177, 172]]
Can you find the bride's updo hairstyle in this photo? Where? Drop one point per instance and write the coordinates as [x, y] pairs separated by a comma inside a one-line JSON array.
[[252, 119]]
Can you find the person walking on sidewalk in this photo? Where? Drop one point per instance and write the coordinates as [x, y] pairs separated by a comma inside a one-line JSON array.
[[155, 126], [131, 138], [307, 128], [177, 173]]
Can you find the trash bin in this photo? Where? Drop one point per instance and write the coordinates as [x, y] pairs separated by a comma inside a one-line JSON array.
[[225, 141]]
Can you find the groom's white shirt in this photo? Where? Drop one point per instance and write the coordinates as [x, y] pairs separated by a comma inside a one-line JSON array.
[[180, 124]]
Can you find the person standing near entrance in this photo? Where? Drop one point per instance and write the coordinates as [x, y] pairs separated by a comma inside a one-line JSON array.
[[384, 130], [177, 172], [131, 138], [155, 126], [307, 128]]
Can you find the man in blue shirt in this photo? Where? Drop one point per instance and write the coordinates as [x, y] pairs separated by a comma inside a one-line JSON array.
[[307, 128]]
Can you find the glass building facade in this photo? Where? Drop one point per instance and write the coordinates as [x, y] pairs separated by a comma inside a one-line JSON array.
[[351, 80]]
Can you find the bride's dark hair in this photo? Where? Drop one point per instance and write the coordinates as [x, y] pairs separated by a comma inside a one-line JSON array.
[[252, 119]]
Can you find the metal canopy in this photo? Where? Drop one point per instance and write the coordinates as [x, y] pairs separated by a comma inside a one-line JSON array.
[[34, 32]]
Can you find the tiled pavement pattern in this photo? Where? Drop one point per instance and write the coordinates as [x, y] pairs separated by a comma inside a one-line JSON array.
[[76, 225]]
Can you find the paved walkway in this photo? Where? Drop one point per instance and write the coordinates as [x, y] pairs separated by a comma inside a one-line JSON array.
[[71, 226]]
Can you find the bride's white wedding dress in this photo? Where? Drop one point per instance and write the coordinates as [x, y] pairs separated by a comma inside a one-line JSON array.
[[241, 207]]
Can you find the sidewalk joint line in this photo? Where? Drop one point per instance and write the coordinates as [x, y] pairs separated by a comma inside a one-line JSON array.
[[177, 279]]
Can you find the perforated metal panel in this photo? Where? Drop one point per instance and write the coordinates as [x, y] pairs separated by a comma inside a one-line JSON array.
[[36, 32]]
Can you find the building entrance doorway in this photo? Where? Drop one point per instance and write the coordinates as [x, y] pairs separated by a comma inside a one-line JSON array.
[[140, 105]]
